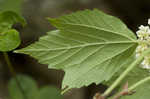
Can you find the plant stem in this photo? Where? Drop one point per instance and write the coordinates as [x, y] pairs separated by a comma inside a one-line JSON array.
[[123, 75], [12, 71], [139, 83]]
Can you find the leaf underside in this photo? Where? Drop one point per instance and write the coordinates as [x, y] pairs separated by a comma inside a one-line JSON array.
[[89, 46]]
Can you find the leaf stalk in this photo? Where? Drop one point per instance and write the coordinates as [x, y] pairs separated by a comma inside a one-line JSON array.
[[123, 75], [138, 83]]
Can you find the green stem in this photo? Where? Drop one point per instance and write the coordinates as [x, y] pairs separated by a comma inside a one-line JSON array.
[[12, 71], [123, 75], [138, 83]]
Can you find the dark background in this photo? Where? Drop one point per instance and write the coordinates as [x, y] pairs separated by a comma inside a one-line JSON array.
[[132, 12]]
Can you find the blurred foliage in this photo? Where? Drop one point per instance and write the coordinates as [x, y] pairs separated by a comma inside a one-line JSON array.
[[11, 5], [24, 87]]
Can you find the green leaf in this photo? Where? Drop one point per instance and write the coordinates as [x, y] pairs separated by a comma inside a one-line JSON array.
[[9, 38], [24, 87], [11, 5], [28, 88], [89, 46], [11, 18], [49, 93]]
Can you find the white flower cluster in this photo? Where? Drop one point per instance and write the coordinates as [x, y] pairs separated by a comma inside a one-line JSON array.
[[144, 36]]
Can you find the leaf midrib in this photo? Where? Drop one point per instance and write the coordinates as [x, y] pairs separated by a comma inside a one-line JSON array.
[[83, 45]]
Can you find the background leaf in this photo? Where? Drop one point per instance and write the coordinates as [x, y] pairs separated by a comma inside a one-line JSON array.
[[89, 46], [29, 89], [49, 93], [27, 85]]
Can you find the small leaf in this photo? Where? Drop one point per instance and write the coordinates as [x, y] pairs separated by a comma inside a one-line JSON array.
[[89, 46], [9, 40], [11, 18]]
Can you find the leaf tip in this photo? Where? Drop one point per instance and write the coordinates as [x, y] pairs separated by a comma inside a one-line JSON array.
[[53, 21]]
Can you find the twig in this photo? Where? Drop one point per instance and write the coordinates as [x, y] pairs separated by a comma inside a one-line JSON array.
[[98, 96], [124, 92]]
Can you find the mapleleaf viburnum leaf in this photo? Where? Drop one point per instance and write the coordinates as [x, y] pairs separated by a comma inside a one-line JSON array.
[[89, 46]]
